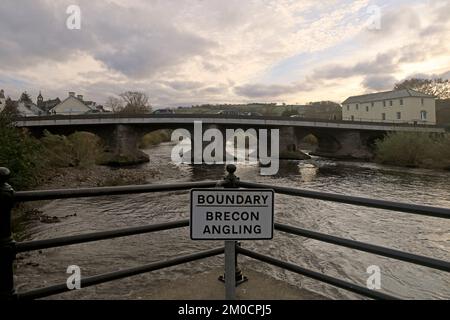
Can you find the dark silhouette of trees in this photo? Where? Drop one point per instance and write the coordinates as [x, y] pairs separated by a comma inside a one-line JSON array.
[[10, 110], [25, 97], [114, 104], [135, 102], [440, 88]]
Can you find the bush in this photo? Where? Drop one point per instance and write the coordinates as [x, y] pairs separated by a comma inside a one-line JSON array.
[[414, 150], [58, 150], [20, 153], [155, 138], [85, 149], [80, 149], [311, 140]]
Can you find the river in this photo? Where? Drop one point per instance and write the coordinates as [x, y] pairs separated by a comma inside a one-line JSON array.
[[412, 233]]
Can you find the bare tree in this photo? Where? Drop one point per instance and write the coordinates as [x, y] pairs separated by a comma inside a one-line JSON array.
[[114, 104], [439, 88], [135, 102]]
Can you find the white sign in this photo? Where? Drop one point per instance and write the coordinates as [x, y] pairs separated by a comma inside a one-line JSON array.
[[231, 214]]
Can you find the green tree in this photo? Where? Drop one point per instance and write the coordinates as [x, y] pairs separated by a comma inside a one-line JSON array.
[[25, 97], [20, 153], [10, 109]]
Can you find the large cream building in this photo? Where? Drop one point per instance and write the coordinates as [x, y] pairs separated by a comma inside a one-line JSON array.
[[399, 106]]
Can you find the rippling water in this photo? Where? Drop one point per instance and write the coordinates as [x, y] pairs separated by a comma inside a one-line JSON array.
[[412, 233]]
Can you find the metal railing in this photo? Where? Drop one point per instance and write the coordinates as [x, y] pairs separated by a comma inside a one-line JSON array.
[[197, 116], [9, 248]]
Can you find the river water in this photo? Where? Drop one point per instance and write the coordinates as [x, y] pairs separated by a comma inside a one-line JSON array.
[[412, 233]]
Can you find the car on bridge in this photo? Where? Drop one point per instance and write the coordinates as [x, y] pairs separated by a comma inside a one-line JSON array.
[[239, 113], [163, 111], [230, 113]]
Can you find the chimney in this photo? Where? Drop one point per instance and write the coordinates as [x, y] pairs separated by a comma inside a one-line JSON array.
[[71, 94], [80, 97]]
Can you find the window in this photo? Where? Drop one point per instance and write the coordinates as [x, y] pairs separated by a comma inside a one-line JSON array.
[[357, 106], [384, 103], [352, 118], [401, 102], [383, 116], [422, 101], [399, 115], [348, 107], [373, 104], [391, 103], [367, 109], [423, 115]]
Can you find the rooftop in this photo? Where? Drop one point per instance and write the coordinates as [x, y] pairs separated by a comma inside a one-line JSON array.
[[386, 95]]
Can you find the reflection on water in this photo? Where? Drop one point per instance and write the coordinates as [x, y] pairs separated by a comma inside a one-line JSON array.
[[412, 233]]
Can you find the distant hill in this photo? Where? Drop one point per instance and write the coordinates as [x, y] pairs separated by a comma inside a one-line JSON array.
[[318, 110]]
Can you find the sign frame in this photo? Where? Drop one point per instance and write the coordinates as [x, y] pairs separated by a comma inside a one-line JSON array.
[[230, 190]]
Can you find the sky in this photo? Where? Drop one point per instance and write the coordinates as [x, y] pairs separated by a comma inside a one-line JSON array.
[[184, 52]]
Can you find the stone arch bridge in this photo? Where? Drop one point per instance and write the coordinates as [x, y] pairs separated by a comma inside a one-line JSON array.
[[121, 133]]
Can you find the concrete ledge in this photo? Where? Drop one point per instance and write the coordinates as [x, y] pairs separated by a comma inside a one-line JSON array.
[[206, 286]]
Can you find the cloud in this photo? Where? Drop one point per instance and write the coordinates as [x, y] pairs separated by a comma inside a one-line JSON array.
[[379, 82], [269, 91], [382, 63], [188, 51]]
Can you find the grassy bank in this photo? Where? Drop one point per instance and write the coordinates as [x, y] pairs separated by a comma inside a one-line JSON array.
[[413, 149], [154, 138], [33, 162]]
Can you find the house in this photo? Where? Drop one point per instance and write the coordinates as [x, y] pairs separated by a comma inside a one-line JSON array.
[[398, 106], [72, 105], [45, 106], [24, 107], [2, 100], [28, 109]]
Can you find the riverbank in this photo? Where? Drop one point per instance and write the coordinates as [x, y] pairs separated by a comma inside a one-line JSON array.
[[75, 177], [414, 150]]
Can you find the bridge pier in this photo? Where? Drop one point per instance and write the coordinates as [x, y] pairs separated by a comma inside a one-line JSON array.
[[289, 142], [122, 146], [345, 144]]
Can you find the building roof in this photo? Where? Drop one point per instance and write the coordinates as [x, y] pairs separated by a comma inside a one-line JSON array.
[[387, 95], [49, 104], [28, 108], [74, 99]]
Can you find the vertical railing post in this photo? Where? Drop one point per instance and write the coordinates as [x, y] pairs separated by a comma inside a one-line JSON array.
[[231, 253], [230, 270], [7, 252]]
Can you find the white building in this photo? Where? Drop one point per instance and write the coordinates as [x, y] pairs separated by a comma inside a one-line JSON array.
[[398, 106], [72, 105]]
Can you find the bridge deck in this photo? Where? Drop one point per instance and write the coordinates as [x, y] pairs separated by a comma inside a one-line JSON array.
[[242, 121]]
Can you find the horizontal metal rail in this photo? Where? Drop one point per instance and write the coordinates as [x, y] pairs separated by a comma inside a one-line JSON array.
[[359, 201], [23, 196], [361, 246], [198, 116], [315, 275], [10, 248], [102, 235], [106, 277]]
